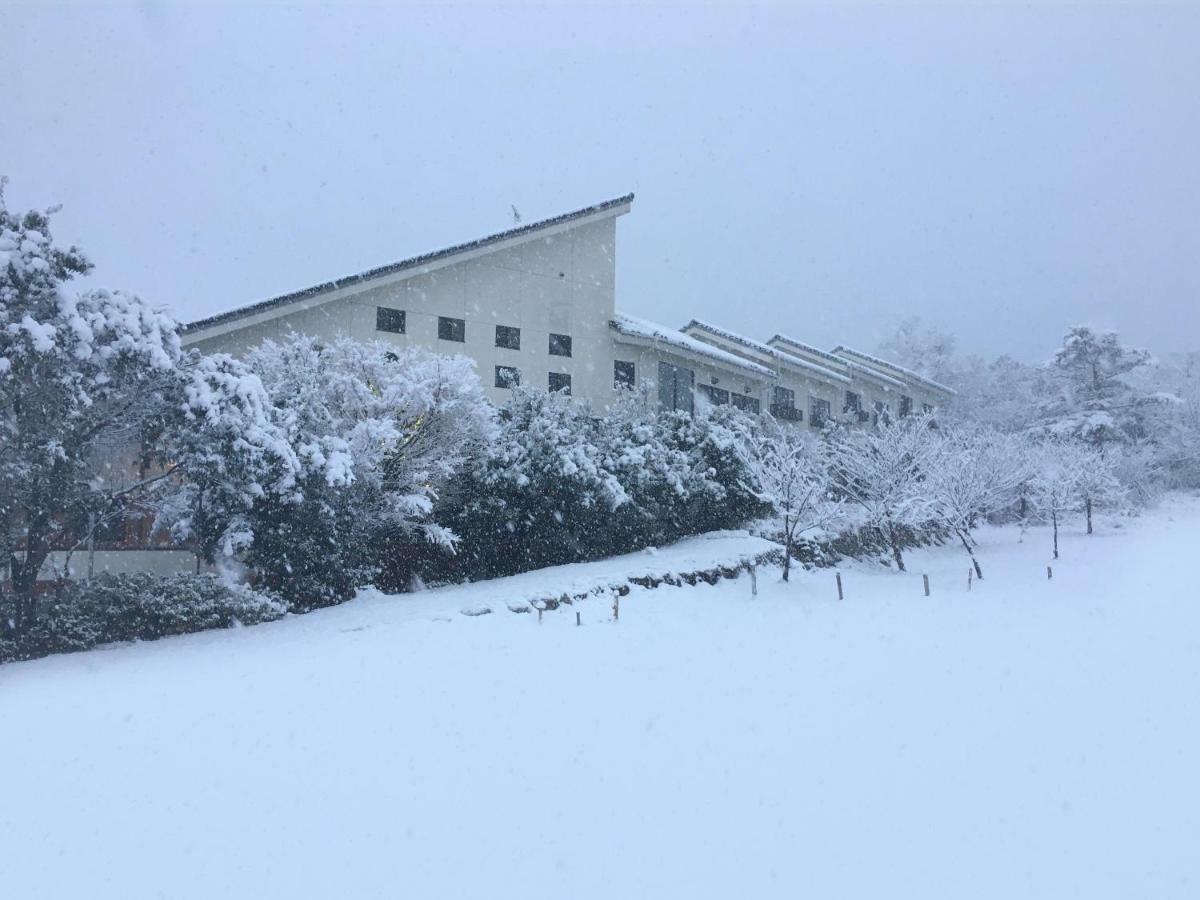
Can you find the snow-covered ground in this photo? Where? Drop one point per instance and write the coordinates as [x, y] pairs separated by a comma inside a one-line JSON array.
[[1030, 738]]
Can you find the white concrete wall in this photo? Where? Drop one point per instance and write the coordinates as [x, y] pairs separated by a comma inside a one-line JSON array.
[[559, 283]]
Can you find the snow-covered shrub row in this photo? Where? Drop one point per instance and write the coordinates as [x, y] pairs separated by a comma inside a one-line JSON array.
[[560, 484], [80, 615]]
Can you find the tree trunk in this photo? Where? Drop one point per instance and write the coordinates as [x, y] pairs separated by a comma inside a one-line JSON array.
[[1087, 505], [1054, 519], [787, 556], [970, 548], [24, 580], [894, 540]]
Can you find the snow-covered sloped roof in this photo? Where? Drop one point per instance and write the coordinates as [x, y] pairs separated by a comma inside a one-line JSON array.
[[907, 373], [632, 326], [774, 352], [615, 205]]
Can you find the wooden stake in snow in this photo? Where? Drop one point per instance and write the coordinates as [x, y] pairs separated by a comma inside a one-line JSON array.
[[839, 584], [925, 578], [970, 575], [616, 607], [539, 609], [753, 580], [1049, 573], [577, 622]]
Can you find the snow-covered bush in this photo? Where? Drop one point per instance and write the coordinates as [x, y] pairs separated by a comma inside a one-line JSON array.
[[376, 435], [561, 485], [882, 471], [139, 607], [541, 493]]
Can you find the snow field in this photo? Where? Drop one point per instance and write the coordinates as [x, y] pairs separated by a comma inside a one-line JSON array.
[[1030, 738]]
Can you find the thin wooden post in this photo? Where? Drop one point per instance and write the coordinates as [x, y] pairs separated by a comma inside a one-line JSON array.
[[616, 607], [925, 578], [577, 622], [539, 609], [970, 577], [838, 575], [753, 580], [1049, 573]]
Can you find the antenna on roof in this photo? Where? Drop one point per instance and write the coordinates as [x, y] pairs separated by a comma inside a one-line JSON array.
[[516, 215]]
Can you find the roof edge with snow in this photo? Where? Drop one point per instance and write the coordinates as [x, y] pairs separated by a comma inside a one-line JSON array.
[[773, 352], [653, 333], [899, 370]]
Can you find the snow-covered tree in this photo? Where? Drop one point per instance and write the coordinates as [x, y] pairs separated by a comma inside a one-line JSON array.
[[792, 478], [228, 453], [1072, 477], [973, 473], [664, 482], [82, 379], [1086, 393], [1096, 483], [376, 434], [882, 471]]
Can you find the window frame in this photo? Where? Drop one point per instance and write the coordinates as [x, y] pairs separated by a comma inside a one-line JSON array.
[[619, 374]]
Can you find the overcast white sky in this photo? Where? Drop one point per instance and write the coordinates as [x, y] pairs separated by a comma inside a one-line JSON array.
[[1003, 172]]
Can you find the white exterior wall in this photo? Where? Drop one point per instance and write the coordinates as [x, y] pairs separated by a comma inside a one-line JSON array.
[[560, 282]]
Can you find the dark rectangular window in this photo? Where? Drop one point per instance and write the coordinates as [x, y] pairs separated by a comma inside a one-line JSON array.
[[676, 386], [716, 396], [783, 405], [853, 402], [747, 404], [818, 412], [882, 413], [508, 337], [451, 329], [905, 405], [560, 345], [389, 320], [507, 376], [623, 374], [560, 381], [926, 408]]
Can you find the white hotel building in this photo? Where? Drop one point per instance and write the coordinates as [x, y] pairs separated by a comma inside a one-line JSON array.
[[537, 304]]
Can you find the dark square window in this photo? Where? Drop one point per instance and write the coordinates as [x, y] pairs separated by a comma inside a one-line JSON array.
[[906, 405], [623, 374], [451, 329], [390, 320], [853, 403], [818, 412], [507, 376], [746, 404], [508, 337], [560, 381], [715, 395], [560, 345]]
